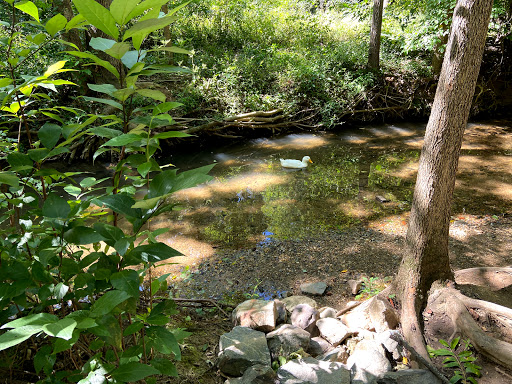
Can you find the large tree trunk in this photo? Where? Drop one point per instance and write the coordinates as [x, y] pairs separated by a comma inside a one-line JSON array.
[[426, 257], [375, 32]]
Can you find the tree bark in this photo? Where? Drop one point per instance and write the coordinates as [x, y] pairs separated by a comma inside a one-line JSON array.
[[375, 32], [426, 258]]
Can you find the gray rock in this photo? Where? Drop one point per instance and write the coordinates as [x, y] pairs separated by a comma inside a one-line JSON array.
[[260, 315], [312, 371], [292, 301], [358, 317], [317, 289], [305, 316], [333, 330], [338, 354], [327, 312], [257, 374], [409, 376], [281, 312], [319, 346], [367, 365], [382, 315], [390, 345], [286, 339], [355, 286], [240, 349]]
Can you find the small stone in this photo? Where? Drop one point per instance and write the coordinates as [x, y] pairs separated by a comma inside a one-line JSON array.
[[327, 312], [410, 376], [333, 330], [257, 374], [366, 366], [355, 286], [292, 301], [287, 339], [382, 315], [317, 289], [339, 354], [281, 312], [305, 316], [256, 314], [319, 346], [310, 370], [381, 199]]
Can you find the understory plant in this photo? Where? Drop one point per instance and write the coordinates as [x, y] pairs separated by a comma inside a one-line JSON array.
[[463, 361], [77, 291]]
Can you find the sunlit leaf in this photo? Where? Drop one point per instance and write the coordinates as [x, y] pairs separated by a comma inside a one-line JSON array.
[[29, 8], [98, 16]]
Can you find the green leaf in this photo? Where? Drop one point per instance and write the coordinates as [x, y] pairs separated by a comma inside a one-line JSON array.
[[110, 233], [154, 69], [133, 328], [43, 358], [109, 89], [122, 140], [17, 336], [166, 107], [123, 94], [9, 178], [163, 341], [112, 103], [49, 134], [144, 6], [120, 9], [127, 281], [164, 366], [105, 132], [86, 55], [56, 207], [74, 22], [473, 368], [38, 319], [454, 343], [38, 154], [98, 16], [152, 94], [172, 49], [120, 203], [118, 50], [55, 24], [143, 28], [131, 58], [101, 44], [20, 162], [445, 343], [133, 371], [72, 190], [62, 329], [106, 303], [170, 134], [29, 8], [81, 235], [151, 253]]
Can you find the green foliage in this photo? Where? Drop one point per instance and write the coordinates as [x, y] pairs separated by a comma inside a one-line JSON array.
[[465, 370], [71, 276], [371, 286]]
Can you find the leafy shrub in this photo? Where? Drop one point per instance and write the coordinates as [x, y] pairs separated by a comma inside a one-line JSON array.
[[71, 275]]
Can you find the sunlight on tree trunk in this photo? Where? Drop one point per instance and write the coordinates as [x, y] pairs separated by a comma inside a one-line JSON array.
[[375, 32], [426, 257]]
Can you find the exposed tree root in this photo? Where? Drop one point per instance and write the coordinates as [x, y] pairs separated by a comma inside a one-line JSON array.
[[493, 277], [456, 305]]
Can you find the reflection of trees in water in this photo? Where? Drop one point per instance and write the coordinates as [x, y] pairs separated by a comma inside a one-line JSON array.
[[308, 204]]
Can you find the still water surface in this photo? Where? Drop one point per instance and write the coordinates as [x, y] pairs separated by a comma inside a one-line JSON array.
[[358, 176]]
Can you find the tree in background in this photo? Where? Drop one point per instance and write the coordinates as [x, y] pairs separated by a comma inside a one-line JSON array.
[[426, 259], [375, 33]]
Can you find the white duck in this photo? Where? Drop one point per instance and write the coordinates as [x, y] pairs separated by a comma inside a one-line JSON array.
[[288, 163]]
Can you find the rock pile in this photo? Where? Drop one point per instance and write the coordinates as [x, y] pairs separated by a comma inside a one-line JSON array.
[[310, 345]]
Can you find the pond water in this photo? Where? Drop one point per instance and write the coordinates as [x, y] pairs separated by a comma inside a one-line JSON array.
[[357, 176]]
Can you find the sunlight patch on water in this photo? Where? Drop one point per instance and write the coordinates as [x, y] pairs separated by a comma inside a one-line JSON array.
[[298, 142]]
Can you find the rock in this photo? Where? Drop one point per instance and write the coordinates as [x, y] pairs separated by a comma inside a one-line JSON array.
[[286, 339], [382, 315], [317, 288], [319, 346], [370, 345], [333, 330], [355, 286], [310, 370], [392, 346], [292, 301], [367, 365], [358, 317], [281, 312], [305, 316], [409, 376], [327, 312], [338, 354], [242, 348], [257, 374], [381, 199], [260, 315]]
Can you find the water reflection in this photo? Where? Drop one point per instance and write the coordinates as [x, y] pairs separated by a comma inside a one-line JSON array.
[[252, 199]]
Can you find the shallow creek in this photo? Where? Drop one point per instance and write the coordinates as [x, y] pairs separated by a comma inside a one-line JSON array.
[[358, 177]]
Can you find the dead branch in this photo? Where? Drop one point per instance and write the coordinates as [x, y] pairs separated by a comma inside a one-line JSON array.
[[396, 336], [201, 301]]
